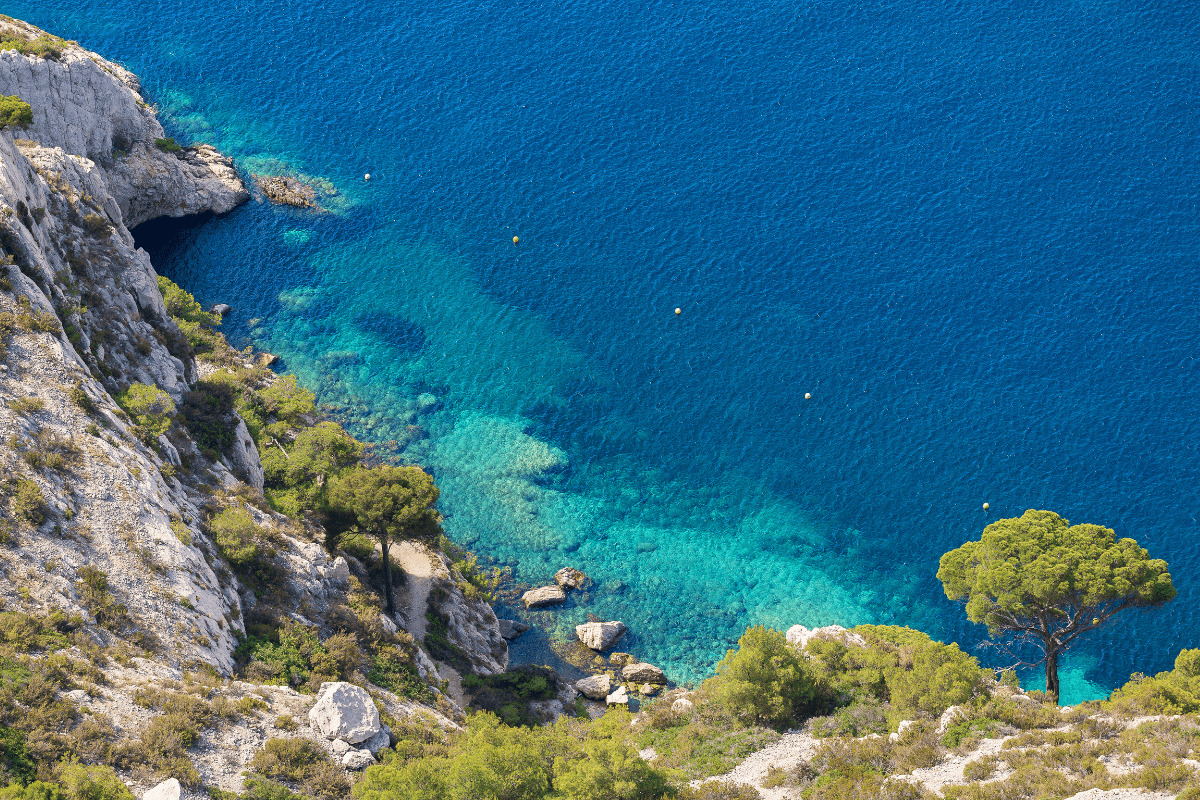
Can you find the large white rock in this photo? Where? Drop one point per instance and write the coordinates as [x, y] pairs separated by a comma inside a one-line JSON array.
[[345, 711], [949, 717], [641, 672], [800, 636], [569, 578], [620, 697], [594, 687], [543, 596], [600, 635], [167, 790]]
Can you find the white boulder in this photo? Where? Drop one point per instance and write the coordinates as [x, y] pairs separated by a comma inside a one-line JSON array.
[[167, 790], [357, 759], [543, 596], [641, 672], [619, 697], [950, 716], [345, 711], [600, 635], [594, 687]]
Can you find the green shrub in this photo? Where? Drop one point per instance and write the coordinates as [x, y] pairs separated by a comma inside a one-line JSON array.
[[97, 225], [392, 671], [150, 407], [303, 764], [41, 46], [208, 413], [764, 679], [14, 112], [161, 751], [15, 761], [168, 145], [97, 598], [91, 782], [27, 405], [196, 324], [290, 656], [238, 537], [79, 397], [508, 694], [28, 502]]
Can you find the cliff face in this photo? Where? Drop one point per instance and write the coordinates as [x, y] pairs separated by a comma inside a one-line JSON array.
[[87, 320]]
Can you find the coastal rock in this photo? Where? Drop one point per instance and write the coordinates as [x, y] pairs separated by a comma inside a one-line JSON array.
[[619, 659], [222, 309], [286, 190], [569, 578], [511, 629], [543, 596], [799, 636], [356, 759], [338, 573], [649, 689], [344, 711], [471, 625], [243, 457], [339, 748], [379, 741], [682, 705], [595, 687], [600, 635], [620, 697], [167, 790], [641, 672]]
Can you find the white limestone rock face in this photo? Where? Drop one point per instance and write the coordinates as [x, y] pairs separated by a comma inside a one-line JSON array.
[[345, 711], [93, 108], [472, 626], [243, 459], [167, 790], [600, 635], [949, 717]]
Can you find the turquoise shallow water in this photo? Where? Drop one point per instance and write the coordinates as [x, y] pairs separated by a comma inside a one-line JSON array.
[[969, 231]]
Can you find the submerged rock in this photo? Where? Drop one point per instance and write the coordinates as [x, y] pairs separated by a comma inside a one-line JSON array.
[[569, 578], [600, 635], [543, 596], [510, 629], [619, 659], [286, 191]]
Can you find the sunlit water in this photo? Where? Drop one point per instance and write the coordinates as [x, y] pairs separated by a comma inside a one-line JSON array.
[[969, 231]]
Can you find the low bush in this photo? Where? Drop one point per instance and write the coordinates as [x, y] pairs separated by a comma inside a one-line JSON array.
[[292, 655], [208, 414], [98, 599], [27, 405], [396, 673], [1173, 692], [97, 225], [91, 782], [508, 694], [41, 46], [14, 112], [303, 764], [149, 407], [168, 145], [28, 502], [196, 324], [764, 680]]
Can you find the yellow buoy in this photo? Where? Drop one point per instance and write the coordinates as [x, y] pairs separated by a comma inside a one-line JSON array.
[[808, 395], [516, 239], [986, 506], [679, 311], [367, 177]]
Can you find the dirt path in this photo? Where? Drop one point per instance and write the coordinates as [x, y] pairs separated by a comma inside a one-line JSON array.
[[417, 565]]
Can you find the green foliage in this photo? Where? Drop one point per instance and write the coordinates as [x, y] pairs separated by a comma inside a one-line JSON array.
[[79, 397], [208, 415], [97, 598], [28, 502], [289, 656], [1174, 692], [492, 761], [1039, 577], [14, 112], [91, 782], [25, 632], [150, 407], [239, 539], [168, 145], [303, 764], [97, 225], [388, 502], [392, 671], [38, 790], [15, 762], [26, 405], [41, 46], [161, 750], [196, 324], [764, 679], [508, 694], [317, 455]]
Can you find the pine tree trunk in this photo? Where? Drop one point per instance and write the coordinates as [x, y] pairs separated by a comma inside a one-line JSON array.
[[387, 577], [1052, 674]]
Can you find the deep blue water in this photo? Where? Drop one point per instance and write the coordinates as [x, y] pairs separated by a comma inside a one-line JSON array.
[[969, 230]]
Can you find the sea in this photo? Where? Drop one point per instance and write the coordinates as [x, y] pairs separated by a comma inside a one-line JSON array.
[[743, 308]]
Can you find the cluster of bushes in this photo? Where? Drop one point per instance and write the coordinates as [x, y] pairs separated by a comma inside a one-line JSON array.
[[570, 760], [42, 46], [150, 408], [168, 145], [14, 112], [198, 326], [509, 694], [1174, 692], [303, 765], [293, 655], [247, 546]]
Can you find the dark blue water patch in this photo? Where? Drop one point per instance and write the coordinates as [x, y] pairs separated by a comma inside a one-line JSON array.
[[401, 333]]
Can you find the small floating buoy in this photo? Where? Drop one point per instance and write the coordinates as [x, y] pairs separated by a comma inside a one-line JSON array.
[[516, 239], [986, 506], [808, 395], [367, 177], [679, 311]]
